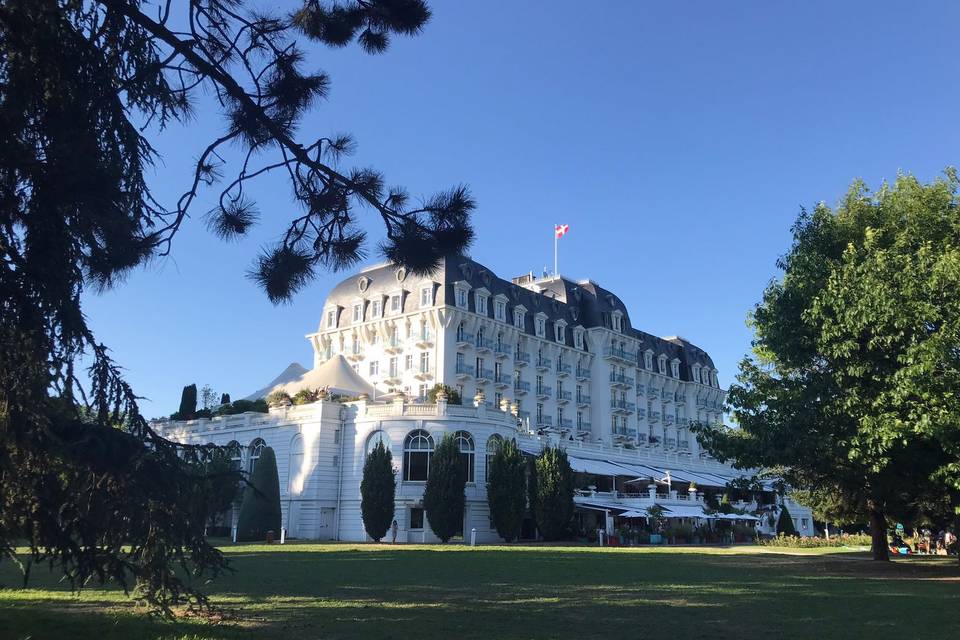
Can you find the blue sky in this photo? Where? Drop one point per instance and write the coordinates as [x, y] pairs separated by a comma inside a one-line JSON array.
[[677, 139]]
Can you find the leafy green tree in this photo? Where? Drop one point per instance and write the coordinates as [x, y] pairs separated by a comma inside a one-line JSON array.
[[506, 490], [554, 498], [377, 491], [453, 396], [89, 88], [850, 392], [444, 499], [785, 523], [304, 396], [242, 406], [260, 509], [725, 506]]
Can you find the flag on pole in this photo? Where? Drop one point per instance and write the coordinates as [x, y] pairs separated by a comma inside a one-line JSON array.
[[561, 229]]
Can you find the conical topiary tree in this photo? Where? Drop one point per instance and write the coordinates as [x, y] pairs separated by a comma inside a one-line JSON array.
[[506, 490], [443, 498], [785, 523], [260, 509], [377, 491], [188, 402], [554, 498]]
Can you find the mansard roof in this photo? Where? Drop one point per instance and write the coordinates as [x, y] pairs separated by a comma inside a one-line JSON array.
[[578, 303]]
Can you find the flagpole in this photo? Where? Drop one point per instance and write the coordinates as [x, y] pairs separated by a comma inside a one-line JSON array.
[[554, 250]]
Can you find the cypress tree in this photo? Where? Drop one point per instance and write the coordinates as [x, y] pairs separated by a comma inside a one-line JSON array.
[[785, 523], [260, 509], [443, 498], [506, 490], [377, 491], [554, 497], [188, 402]]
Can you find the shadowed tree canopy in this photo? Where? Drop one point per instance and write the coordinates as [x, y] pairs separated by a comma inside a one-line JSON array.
[[553, 499], [443, 496], [377, 491], [507, 489], [86, 86], [851, 392]]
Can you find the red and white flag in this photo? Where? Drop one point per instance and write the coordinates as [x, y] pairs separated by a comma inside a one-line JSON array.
[[561, 229]]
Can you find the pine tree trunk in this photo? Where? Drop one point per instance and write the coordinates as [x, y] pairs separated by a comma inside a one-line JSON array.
[[878, 533]]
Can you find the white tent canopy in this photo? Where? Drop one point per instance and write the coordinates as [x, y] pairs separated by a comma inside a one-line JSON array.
[[335, 374], [674, 511]]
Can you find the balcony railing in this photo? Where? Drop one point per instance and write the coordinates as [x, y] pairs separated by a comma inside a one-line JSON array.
[[503, 350], [668, 419], [565, 423], [501, 380], [564, 396], [521, 358], [641, 389], [563, 369], [583, 374], [654, 416], [620, 379], [464, 369], [625, 432], [545, 421], [544, 391], [423, 373], [425, 339], [671, 443], [521, 386], [463, 340], [583, 399], [622, 405], [483, 344], [484, 374], [620, 354], [544, 363], [394, 344], [583, 425]]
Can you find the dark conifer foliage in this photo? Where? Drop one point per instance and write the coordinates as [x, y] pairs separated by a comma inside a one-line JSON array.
[[507, 491], [85, 87], [188, 402], [785, 523], [377, 490], [554, 497], [443, 498], [260, 508]]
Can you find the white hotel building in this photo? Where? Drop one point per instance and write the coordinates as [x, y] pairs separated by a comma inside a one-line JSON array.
[[547, 361]]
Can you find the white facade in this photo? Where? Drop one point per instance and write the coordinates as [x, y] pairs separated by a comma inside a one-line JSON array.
[[546, 362]]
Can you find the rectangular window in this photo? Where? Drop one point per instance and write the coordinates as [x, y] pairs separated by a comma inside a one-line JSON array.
[[331, 318], [336, 461], [500, 311], [541, 327], [497, 372], [497, 397], [539, 412], [374, 368], [481, 304], [426, 296], [395, 303], [558, 331], [578, 339], [425, 362], [393, 367], [423, 392], [462, 298], [336, 436], [416, 518], [518, 319], [407, 363], [358, 313], [375, 308]]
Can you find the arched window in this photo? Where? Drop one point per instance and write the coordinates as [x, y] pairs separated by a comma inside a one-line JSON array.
[[494, 443], [255, 450], [235, 453], [467, 452], [295, 471], [417, 450], [375, 437]]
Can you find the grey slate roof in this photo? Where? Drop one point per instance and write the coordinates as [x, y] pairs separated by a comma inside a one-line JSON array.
[[585, 303]]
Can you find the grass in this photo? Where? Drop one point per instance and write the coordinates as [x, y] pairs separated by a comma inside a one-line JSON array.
[[380, 591]]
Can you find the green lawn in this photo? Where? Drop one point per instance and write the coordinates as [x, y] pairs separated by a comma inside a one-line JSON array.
[[366, 591]]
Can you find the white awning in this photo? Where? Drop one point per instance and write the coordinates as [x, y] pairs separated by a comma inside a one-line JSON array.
[[599, 506], [674, 511], [596, 467], [635, 513]]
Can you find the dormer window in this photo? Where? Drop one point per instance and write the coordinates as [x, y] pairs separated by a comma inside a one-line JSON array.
[[662, 365], [462, 298], [331, 318], [358, 312], [481, 304], [648, 360], [559, 331], [578, 338], [376, 308], [426, 297], [696, 373], [518, 317], [540, 326], [675, 368], [617, 319], [500, 309]]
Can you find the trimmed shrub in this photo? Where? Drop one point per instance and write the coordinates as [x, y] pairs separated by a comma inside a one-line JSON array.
[[260, 509], [443, 498], [242, 406], [377, 492], [188, 402], [506, 490], [453, 396], [305, 396], [554, 497], [785, 523], [278, 398], [811, 542]]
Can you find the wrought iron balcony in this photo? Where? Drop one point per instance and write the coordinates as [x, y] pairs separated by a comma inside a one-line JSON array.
[[622, 406], [483, 344], [565, 423], [425, 339], [544, 364], [563, 369], [583, 373], [583, 399], [620, 355], [544, 392], [464, 370], [484, 375], [545, 421], [620, 380], [521, 386], [564, 396], [521, 358]]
